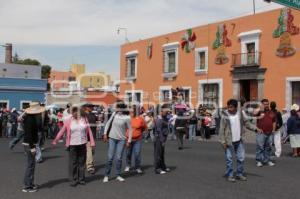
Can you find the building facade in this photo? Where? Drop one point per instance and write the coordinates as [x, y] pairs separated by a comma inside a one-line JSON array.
[[59, 80], [251, 58], [19, 92], [20, 71]]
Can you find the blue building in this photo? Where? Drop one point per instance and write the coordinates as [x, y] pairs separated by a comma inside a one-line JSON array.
[[20, 85]]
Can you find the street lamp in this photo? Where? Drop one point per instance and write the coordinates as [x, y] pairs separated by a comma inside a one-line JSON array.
[[125, 31]]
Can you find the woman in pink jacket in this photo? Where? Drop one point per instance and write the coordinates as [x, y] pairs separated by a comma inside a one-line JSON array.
[[77, 131]]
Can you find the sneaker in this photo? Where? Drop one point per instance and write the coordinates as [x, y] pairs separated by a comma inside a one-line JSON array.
[[162, 172], [259, 164], [231, 179], [29, 190], [270, 164], [105, 179], [127, 169], [241, 178], [73, 184], [120, 179], [82, 182], [167, 170], [139, 171], [91, 171]]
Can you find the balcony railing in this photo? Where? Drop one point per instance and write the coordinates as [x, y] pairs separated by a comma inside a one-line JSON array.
[[246, 59]]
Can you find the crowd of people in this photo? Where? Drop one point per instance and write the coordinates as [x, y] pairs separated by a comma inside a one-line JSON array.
[[125, 128]]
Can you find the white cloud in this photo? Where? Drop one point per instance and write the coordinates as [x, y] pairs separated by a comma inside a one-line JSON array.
[[94, 22]]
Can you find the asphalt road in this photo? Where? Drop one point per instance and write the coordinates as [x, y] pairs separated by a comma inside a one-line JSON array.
[[196, 173]]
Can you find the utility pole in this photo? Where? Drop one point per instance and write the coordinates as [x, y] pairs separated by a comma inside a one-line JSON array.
[[125, 31], [254, 7]]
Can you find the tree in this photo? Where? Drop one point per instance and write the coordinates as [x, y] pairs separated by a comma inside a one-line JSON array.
[[46, 70], [28, 62]]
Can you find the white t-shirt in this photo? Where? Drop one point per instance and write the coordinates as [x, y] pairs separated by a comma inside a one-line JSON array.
[[78, 132], [235, 125], [66, 115]]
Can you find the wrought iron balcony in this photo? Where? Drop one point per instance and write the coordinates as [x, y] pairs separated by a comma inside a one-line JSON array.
[[246, 59]]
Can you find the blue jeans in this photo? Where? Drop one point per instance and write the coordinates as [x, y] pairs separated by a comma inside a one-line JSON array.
[[263, 147], [30, 168], [115, 148], [192, 131], [239, 150], [18, 138], [135, 150]]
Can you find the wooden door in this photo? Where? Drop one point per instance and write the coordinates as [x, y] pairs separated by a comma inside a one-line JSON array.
[[253, 90]]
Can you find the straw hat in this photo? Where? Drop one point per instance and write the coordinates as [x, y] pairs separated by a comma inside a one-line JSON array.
[[35, 108], [295, 107]]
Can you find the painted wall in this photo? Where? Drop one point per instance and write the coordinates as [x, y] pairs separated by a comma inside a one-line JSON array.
[[20, 71], [149, 71], [16, 90], [63, 76]]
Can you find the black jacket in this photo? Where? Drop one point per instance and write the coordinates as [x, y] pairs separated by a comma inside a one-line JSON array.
[[92, 119], [181, 122], [32, 124]]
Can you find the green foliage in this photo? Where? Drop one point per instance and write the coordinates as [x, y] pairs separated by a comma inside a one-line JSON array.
[[46, 70], [281, 26], [217, 42]]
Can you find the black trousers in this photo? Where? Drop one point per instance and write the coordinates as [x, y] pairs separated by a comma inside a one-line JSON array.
[[159, 156], [77, 159], [180, 133], [30, 168]]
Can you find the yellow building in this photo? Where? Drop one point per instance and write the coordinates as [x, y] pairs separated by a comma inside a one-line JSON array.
[[78, 69], [94, 80], [90, 80]]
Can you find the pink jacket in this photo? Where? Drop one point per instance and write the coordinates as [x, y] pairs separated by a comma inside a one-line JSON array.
[[67, 128]]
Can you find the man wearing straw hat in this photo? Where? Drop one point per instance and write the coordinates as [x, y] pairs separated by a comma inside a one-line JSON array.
[[32, 125]]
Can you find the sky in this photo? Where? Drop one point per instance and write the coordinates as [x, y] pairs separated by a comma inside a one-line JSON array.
[[62, 32]]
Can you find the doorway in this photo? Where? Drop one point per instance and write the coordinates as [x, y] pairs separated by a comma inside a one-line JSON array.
[[249, 90]]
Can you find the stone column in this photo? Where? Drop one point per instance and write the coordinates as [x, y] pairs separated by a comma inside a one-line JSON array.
[[260, 89], [236, 88]]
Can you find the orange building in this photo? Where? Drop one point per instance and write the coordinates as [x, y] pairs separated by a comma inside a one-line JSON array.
[[251, 57], [104, 98], [60, 79]]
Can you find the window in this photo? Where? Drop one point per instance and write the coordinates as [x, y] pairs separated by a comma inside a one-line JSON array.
[[211, 94], [166, 96], [170, 56], [24, 105], [171, 62], [296, 92], [250, 53], [131, 67], [186, 95], [4, 104], [134, 97], [165, 93], [250, 47], [201, 55]]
